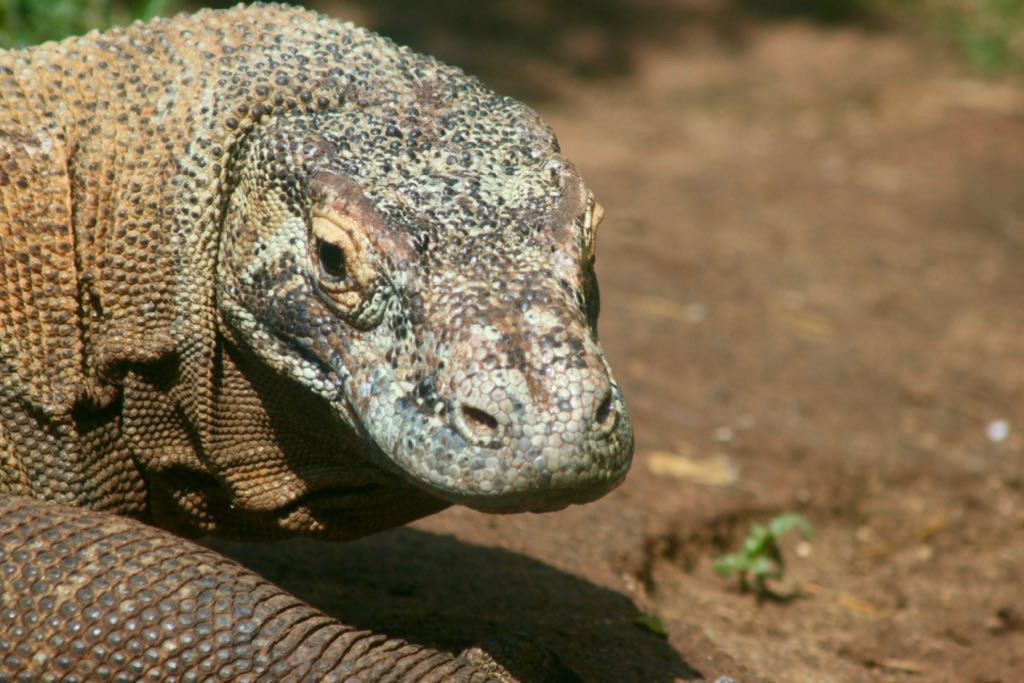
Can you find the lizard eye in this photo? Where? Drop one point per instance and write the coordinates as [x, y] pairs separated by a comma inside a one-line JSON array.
[[331, 259], [591, 219], [591, 294], [345, 265], [342, 260]]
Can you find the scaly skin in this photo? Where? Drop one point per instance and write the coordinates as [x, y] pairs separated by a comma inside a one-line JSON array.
[[101, 597], [265, 273]]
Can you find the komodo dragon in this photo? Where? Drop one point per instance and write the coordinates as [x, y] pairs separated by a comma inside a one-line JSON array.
[[264, 274]]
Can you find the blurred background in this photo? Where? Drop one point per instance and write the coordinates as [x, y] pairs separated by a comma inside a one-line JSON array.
[[597, 38], [585, 39], [812, 272]]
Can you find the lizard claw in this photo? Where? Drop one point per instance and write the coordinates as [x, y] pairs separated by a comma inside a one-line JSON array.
[[517, 657]]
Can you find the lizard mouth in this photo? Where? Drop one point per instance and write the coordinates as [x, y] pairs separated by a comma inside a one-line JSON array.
[[336, 496], [348, 512], [547, 500]]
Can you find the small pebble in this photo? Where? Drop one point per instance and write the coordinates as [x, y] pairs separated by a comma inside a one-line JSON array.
[[695, 313], [997, 431], [725, 434]]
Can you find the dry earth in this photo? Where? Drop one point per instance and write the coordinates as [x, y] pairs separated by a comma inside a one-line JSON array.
[[812, 275]]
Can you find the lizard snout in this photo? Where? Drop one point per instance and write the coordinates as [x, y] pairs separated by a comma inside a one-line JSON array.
[[539, 442]]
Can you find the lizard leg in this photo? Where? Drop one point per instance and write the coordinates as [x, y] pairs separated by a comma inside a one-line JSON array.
[[93, 596]]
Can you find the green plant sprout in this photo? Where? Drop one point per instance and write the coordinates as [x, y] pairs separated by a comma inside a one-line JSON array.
[[761, 557], [651, 624]]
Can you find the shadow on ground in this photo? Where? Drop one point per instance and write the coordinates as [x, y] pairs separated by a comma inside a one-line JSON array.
[[435, 590]]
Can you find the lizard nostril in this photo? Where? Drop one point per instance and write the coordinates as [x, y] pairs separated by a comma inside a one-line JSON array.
[[478, 426], [479, 420], [604, 410]]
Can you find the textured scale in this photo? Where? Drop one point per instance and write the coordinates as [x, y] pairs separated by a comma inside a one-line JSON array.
[[265, 273], [105, 598]]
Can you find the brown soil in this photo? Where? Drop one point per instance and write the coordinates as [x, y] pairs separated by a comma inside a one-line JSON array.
[[812, 273]]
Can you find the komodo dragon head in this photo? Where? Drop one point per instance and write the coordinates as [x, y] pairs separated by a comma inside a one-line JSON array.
[[427, 268]]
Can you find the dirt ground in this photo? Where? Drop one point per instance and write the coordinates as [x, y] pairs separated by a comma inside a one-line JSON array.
[[812, 276]]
